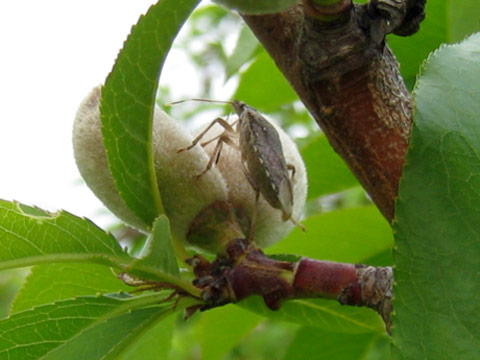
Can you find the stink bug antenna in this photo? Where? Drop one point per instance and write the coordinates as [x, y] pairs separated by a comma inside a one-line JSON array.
[[198, 99]]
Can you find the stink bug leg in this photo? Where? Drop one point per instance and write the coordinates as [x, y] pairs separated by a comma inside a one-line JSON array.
[[292, 169], [257, 196], [300, 225], [220, 121], [224, 137]]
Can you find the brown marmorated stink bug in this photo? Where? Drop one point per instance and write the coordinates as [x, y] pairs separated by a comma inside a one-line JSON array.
[[263, 160]]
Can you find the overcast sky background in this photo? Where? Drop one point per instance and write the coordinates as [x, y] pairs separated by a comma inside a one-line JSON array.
[[52, 54]]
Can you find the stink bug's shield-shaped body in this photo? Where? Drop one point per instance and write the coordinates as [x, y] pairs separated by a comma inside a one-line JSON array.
[[263, 160], [261, 150]]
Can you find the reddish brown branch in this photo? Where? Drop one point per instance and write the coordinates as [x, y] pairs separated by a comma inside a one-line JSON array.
[[355, 285], [349, 80], [244, 271]]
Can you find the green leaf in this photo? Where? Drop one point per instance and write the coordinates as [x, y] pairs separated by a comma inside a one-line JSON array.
[[128, 100], [463, 18], [350, 235], [247, 45], [159, 251], [257, 7], [312, 343], [70, 280], [327, 315], [86, 327], [327, 172], [260, 81], [32, 236], [437, 223]]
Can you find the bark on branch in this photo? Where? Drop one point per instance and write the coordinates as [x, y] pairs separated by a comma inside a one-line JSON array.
[[336, 59]]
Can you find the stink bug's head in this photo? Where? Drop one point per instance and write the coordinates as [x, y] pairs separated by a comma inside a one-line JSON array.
[[239, 106]]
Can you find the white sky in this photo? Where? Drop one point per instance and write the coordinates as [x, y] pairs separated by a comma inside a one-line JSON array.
[[52, 53]]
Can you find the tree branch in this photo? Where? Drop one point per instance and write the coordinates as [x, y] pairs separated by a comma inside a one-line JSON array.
[[244, 270], [336, 59]]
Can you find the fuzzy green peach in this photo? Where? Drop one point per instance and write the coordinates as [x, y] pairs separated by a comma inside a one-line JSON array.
[[183, 195], [205, 212]]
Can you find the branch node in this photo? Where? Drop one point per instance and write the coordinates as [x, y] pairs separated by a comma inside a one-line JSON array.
[[373, 289], [400, 17]]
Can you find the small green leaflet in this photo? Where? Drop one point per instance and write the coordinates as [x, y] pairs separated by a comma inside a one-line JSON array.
[[245, 49], [159, 253]]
